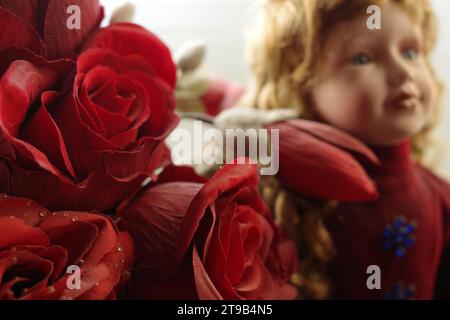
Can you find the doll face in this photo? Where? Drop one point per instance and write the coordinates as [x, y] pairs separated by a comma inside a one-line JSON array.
[[374, 84]]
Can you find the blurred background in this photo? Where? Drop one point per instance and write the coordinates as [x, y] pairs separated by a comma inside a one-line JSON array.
[[221, 24]]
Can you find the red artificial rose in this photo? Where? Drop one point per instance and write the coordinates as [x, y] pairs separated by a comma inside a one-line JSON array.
[[37, 247], [211, 241], [41, 25], [94, 144], [221, 95]]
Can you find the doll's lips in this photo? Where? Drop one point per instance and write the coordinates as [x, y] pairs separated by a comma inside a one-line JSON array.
[[404, 102]]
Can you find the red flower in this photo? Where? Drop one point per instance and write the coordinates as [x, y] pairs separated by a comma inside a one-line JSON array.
[[40, 25], [36, 248], [320, 161], [211, 241], [92, 147], [221, 95]]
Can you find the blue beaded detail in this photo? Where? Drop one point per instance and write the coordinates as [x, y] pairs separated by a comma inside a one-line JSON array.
[[400, 292], [399, 236]]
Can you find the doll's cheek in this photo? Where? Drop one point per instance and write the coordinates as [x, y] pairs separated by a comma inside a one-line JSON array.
[[430, 93], [428, 86], [338, 103]]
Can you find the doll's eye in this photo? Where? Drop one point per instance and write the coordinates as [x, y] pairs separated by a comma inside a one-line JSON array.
[[361, 59], [410, 54]]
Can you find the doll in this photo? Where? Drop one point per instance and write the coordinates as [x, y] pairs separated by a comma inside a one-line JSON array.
[[319, 58]]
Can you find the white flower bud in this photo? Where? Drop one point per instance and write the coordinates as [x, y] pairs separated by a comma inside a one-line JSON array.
[[190, 56], [124, 13]]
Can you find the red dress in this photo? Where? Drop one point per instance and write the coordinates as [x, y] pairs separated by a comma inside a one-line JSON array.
[[392, 212], [405, 232]]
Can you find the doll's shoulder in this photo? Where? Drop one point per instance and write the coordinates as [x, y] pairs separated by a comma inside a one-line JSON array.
[[439, 185], [323, 162]]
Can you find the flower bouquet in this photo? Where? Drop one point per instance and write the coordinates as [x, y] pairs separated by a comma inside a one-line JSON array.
[[91, 206]]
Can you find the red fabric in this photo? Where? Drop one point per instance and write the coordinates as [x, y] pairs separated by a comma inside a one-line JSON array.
[[407, 190]]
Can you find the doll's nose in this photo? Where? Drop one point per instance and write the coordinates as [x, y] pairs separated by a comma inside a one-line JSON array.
[[398, 73]]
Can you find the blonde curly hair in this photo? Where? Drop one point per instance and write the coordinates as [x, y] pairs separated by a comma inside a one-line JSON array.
[[286, 43], [284, 50]]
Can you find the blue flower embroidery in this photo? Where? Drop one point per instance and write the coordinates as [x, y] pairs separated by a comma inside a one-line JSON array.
[[399, 236], [400, 292]]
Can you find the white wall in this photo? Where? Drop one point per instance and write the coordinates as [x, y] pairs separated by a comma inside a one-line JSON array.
[[221, 24]]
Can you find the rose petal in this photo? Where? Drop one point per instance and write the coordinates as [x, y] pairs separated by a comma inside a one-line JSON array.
[[59, 40], [235, 263], [154, 219], [6, 150], [28, 266], [99, 192], [113, 108], [77, 133], [22, 83], [14, 231], [214, 255], [6, 290], [121, 290], [228, 178], [20, 86], [43, 133], [58, 256], [161, 106], [174, 173], [122, 121], [89, 281], [106, 238], [87, 109], [100, 281], [31, 11], [128, 246], [23, 209], [23, 36], [113, 60], [213, 98], [252, 279], [205, 287], [144, 157], [130, 39], [76, 237]]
